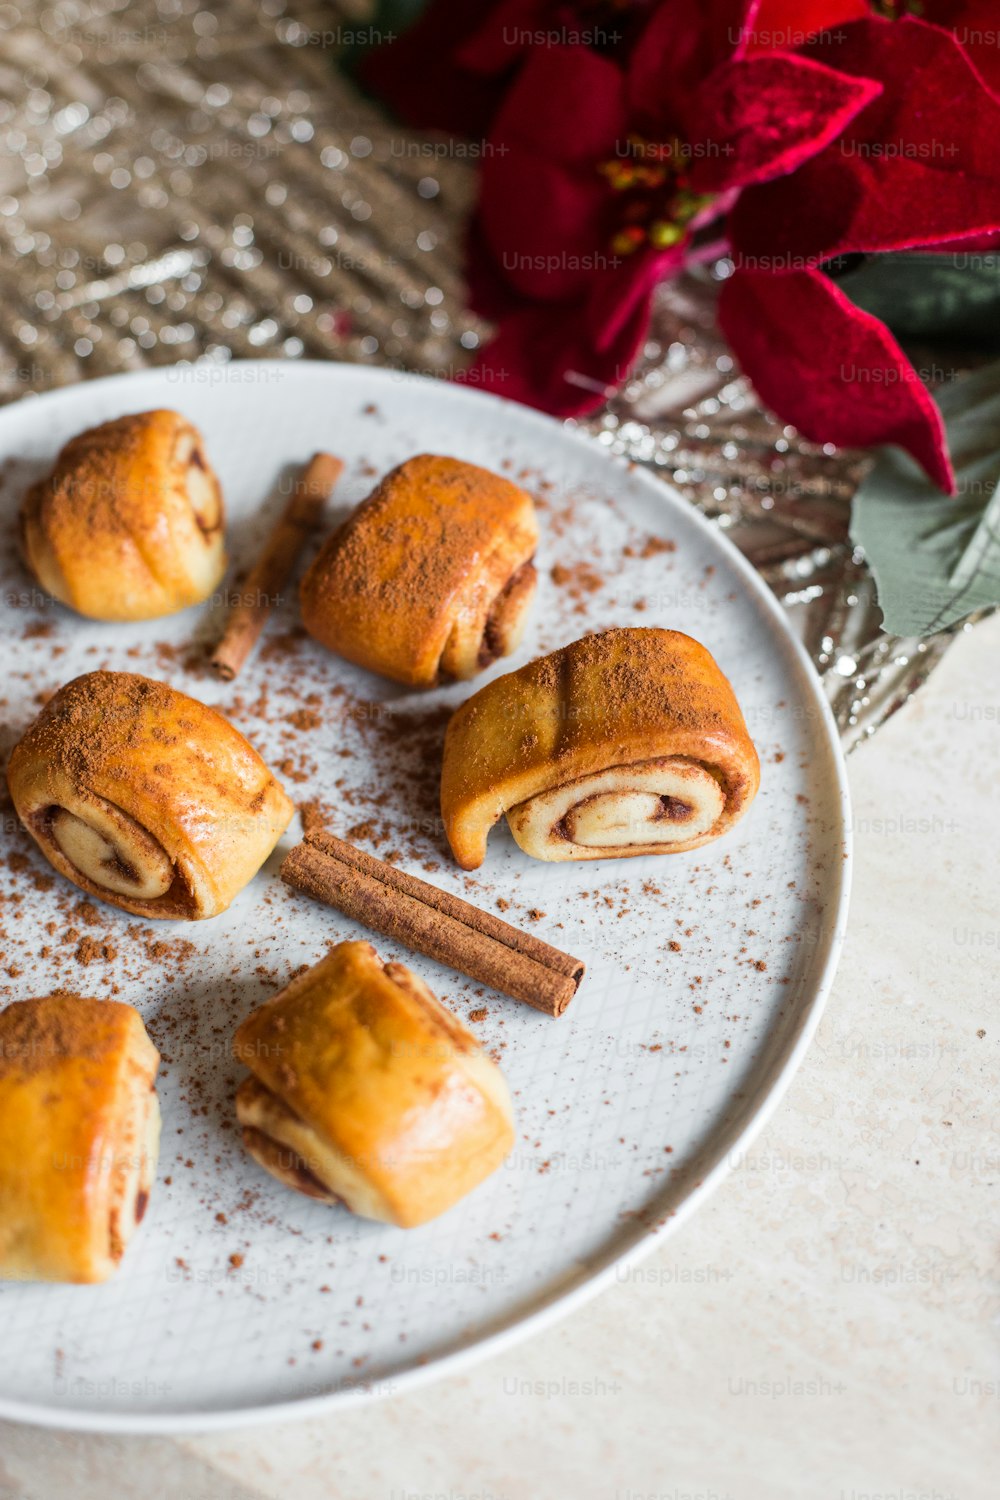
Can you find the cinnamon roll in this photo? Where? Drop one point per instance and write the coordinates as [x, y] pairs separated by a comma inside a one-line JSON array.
[[365, 1090], [79, 1139], [145, 797], [129, 524], [431, 577], [620, 744]]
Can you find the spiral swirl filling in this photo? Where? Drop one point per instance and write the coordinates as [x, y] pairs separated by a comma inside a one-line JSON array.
[[476, 640], [624, 809], [110, 850]]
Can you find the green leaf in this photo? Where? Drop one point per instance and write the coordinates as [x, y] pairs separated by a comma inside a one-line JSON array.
[[953, 298], [936, 557]]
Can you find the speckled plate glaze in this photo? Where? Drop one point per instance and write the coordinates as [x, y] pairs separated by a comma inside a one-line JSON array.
[[707, 971]]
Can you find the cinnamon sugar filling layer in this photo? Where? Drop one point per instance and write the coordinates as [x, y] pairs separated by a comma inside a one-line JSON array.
[[646, 805]]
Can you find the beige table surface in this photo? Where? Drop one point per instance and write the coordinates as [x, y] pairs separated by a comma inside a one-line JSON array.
[[826, 1326]]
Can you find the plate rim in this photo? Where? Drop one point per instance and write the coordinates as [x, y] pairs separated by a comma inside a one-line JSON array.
[[727, 1145]]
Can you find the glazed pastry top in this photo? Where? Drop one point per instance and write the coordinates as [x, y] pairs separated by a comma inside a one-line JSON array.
[[76, 1151], [397, 1106], [193, 792], [611, 699], [129, 524]]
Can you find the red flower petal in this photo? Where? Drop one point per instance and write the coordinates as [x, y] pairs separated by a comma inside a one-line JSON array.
[[544, 208], [566, 105], [834, 371], [567, 360], [547, 228], [417, 73], [617, 299], [976, 25], [489, 291], [783, 25], [513, 28], [761, 118], [684, 41], [920, 163], [500, 37]]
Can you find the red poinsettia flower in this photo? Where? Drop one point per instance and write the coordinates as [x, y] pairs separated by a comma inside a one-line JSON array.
[[622, 127], [919, 166], [596, 176]]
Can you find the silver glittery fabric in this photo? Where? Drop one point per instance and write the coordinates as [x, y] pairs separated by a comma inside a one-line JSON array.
[[180, 183]]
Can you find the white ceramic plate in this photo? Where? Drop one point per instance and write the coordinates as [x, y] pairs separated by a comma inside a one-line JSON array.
[[240, 1300]]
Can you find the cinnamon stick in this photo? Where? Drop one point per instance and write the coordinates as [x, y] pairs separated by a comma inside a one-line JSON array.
[[433, 922], [273, 567]]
